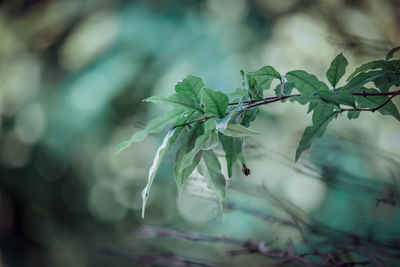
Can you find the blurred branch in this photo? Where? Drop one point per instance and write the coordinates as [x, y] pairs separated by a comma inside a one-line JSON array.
[[249, 247], [165, 259]]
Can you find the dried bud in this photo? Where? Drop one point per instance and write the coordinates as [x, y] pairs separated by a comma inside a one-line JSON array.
[[245, 170]]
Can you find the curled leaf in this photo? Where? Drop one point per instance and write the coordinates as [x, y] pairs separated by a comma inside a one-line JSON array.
[[154, 167]]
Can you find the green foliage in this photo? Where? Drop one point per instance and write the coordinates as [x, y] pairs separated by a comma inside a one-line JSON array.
[[178, 101], [203, 118], [237, 130], [238, 95], [154, 126], [375, 101], [233, 148], [214, 177], [368, 66], [323, 114], [153, 169], [287, 88], [190, 86], [337, 99], [265, 76], [391, 52], [182, 174], [306, 83], [215, 103], [356, 83], [337, 69]]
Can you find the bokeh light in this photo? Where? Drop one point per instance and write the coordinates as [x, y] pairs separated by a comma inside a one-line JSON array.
[[73, 75]]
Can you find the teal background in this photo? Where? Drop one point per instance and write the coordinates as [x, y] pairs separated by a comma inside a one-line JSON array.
[[72, 77]]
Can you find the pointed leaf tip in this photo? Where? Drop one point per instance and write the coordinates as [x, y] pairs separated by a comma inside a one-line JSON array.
[[156, 125], [337, 69], [391, 52], [322, 115], [264, 76], [154, 167]]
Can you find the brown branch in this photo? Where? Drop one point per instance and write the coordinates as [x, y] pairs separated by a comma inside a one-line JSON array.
[[164, 259], [269, 100], [371, 109], [248, 246]]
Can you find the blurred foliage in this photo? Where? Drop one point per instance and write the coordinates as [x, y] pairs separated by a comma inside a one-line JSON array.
[[73, 74]]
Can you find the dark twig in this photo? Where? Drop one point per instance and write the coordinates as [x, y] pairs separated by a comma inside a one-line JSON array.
[[380, 200], [371, 109], [249, 247], [164, 259], [268, 100]]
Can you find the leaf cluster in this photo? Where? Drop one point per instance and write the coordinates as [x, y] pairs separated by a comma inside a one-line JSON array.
[[206, 119]]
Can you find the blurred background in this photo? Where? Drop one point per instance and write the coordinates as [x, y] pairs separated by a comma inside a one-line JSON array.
[[72, 77]]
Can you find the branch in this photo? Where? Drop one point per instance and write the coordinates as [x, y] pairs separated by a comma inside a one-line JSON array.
[[248, 246], [380, 200], [371, 109], [165, 259], [269, 100], [151, 231]]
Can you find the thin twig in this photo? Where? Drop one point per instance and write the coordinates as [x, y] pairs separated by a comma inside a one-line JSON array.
[[269, 100], [370, 109]]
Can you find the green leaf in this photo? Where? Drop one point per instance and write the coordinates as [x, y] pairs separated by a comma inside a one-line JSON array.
[[249, 83], [322, 115], [264, 76], [154, 126], [356, 83], [385, 82], [233, 148], [287, 88], [178, 101], [237, 130], [249, 116], [190, 86], [238, 95], [376, 101], [181, 176], [154, 167], [377, 64], [337, 69], [337, 99], [215, 103], [210, 125], [204, 142], [215, 179], [306, 83], [223, 123], [353, 114], [190, 116], [312, 106], [391, 52]]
